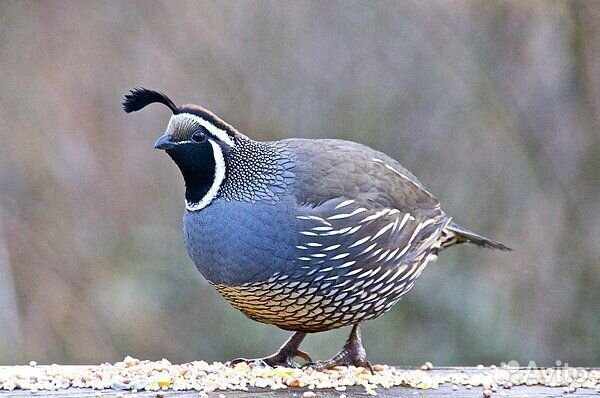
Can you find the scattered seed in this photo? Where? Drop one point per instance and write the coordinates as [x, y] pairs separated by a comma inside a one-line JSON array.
[[132, 374]]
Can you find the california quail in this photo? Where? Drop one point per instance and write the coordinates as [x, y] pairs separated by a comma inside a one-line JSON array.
[[308, 235]]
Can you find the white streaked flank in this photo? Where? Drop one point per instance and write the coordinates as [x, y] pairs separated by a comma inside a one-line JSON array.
[[346, 264], [402, 252], [419, 228], [375, 216], [345, 203], [314, 218], [392, 254], [384, 275], [386, 288], [346, 215], [382, 231], [400, 270], [359, 242], [340, 256], [337, 232], [384, 254], [364, 274], [353, 230], [368, 249], [376, 252], [342, 284], [412, 269], [353, 272], [322, 228], [404, 220]]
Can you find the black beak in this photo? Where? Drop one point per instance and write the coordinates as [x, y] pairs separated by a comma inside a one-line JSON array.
[[165, 142]]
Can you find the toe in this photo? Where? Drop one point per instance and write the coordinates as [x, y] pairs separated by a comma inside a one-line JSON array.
[[366, 365], [304, 355], [260, 362], [234, 362]]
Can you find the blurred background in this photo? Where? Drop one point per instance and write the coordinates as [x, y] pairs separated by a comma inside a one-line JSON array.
[[495, 106]]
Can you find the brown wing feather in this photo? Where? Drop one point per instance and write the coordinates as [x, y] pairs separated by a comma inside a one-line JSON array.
[[359, 206]]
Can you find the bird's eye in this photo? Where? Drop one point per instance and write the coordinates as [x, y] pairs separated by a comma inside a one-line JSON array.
[[199, 136]]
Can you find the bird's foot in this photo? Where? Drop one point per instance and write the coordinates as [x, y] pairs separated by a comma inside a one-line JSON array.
[[282, 357], [346, 357], [353, 354]]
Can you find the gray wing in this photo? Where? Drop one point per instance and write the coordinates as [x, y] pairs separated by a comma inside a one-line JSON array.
[[360, 213]]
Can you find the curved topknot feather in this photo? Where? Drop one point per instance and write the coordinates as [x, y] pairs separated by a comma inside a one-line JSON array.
[[140, 97]]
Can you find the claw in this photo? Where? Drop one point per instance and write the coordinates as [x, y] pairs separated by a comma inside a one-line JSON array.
[[284, 357], [234, 362], [353, 354], [254, 361], [332, 363], [303, 355]]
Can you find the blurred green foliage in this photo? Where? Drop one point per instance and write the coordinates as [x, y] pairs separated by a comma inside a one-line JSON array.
[[494, 105]]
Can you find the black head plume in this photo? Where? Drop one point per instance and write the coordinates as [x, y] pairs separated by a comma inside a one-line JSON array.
[[140, 97]]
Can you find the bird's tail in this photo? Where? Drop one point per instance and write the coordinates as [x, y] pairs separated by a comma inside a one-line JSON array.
[[454, 234]]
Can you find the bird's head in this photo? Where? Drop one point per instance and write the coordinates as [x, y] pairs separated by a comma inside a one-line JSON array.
[[196, 140]]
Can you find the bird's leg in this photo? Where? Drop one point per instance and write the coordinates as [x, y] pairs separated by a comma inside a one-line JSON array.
[[284, 356], [353, 353]]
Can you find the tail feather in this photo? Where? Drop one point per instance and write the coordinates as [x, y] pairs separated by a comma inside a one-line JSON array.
[[454, 234]]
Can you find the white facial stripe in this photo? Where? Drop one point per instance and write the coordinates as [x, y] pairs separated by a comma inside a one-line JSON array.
[[181, 119], [219, 177]]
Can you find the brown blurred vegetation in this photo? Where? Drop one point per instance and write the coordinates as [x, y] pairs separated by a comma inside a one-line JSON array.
[[494, 105]]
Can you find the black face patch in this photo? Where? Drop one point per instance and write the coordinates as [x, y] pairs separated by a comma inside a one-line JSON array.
[[197, 164]]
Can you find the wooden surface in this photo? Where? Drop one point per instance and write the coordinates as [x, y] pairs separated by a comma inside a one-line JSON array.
[[444, 390]]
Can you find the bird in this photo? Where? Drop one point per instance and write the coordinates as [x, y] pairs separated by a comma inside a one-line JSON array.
[[308, 235]]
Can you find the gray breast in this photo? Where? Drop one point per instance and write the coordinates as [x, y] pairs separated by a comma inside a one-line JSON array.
[[235, 242]]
